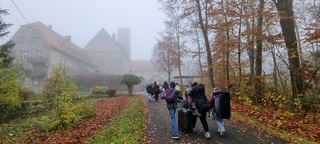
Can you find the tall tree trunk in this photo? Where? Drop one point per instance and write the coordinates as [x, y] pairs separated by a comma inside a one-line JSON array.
[[259, 39], [199, 52], [299, 41], [285, 10], [228, 49], [257, 81], [239, 45], [206, 40], [179, 56], [275, 79], [250, 46]]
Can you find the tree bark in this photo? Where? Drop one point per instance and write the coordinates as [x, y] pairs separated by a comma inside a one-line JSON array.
[[285, 10], [259, 39], [206, 40], [199, 52], [228, 49]]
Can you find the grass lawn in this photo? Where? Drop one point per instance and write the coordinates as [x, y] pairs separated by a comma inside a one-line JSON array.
[[128, 127]]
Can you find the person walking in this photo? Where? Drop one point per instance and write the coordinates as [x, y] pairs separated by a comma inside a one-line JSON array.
[[198, 102], [219, 121], [150, 91], [172, 105], [178, 89], [165, 85]]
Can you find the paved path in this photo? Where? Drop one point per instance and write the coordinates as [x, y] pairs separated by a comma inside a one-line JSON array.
[[159, 130]]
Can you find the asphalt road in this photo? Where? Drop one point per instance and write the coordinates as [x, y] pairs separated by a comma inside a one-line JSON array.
[[159, 130]]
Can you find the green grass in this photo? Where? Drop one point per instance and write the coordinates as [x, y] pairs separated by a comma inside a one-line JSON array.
[[19, 130], [127, 127]]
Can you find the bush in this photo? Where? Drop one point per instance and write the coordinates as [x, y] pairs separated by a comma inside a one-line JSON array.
[[83, 110], [25, 93], [9, 88], [99, 90], [61, 96], [111, 91]]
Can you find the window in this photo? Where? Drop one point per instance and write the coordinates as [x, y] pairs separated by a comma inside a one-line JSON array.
[[34, 40], [60, 58], [38, 56], [36, 69], [25, 55], [35, 81], [21, 40]]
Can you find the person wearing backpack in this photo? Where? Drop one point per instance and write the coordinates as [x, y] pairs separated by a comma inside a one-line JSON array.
[[150, 91], [198, 102], [215, 114], [172, 105]]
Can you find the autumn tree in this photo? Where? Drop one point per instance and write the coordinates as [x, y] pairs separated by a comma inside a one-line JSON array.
[[164, 54], [259, 39], [206, 40], [285, 10]]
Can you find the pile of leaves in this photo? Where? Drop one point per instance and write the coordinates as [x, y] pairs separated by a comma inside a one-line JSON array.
[[283, 124], [127, 127], [105, 110]]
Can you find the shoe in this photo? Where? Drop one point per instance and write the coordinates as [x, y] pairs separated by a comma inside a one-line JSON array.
[[222, 134], [218, 130], [207, 135], [194, 129], [175, 137]]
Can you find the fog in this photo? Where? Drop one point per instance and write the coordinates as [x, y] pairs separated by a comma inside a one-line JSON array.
[[82, 20]]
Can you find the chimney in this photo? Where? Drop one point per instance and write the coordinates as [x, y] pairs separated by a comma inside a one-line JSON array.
[[50, 27], [67, 38], [114, 36]]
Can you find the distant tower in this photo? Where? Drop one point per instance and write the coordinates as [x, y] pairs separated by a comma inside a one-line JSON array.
[[125, 40]]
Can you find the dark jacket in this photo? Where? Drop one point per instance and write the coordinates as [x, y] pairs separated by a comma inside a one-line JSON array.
[[149, 89], [197, 95], [175, 104], [165, 85]]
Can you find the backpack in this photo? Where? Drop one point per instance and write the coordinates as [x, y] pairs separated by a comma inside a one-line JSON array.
[[171, 96], [202, 103], [149, 89], [197, 90]]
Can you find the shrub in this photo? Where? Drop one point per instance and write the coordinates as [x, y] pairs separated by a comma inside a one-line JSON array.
[[99, 90], [83, 110], [111, 91], [9, 88], [25, 93], [275, 101], [130, 81], [246, 94], [61, 96]]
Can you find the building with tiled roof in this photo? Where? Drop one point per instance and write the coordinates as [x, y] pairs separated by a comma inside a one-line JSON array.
[[41, 48], [109, 56]]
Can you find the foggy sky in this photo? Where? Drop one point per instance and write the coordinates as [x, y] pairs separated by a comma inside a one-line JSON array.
[[82, 19]]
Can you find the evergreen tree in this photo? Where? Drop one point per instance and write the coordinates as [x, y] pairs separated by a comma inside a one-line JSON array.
[[6, 48]]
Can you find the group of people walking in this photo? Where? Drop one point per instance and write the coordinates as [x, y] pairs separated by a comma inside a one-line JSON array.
[[195, 105]]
